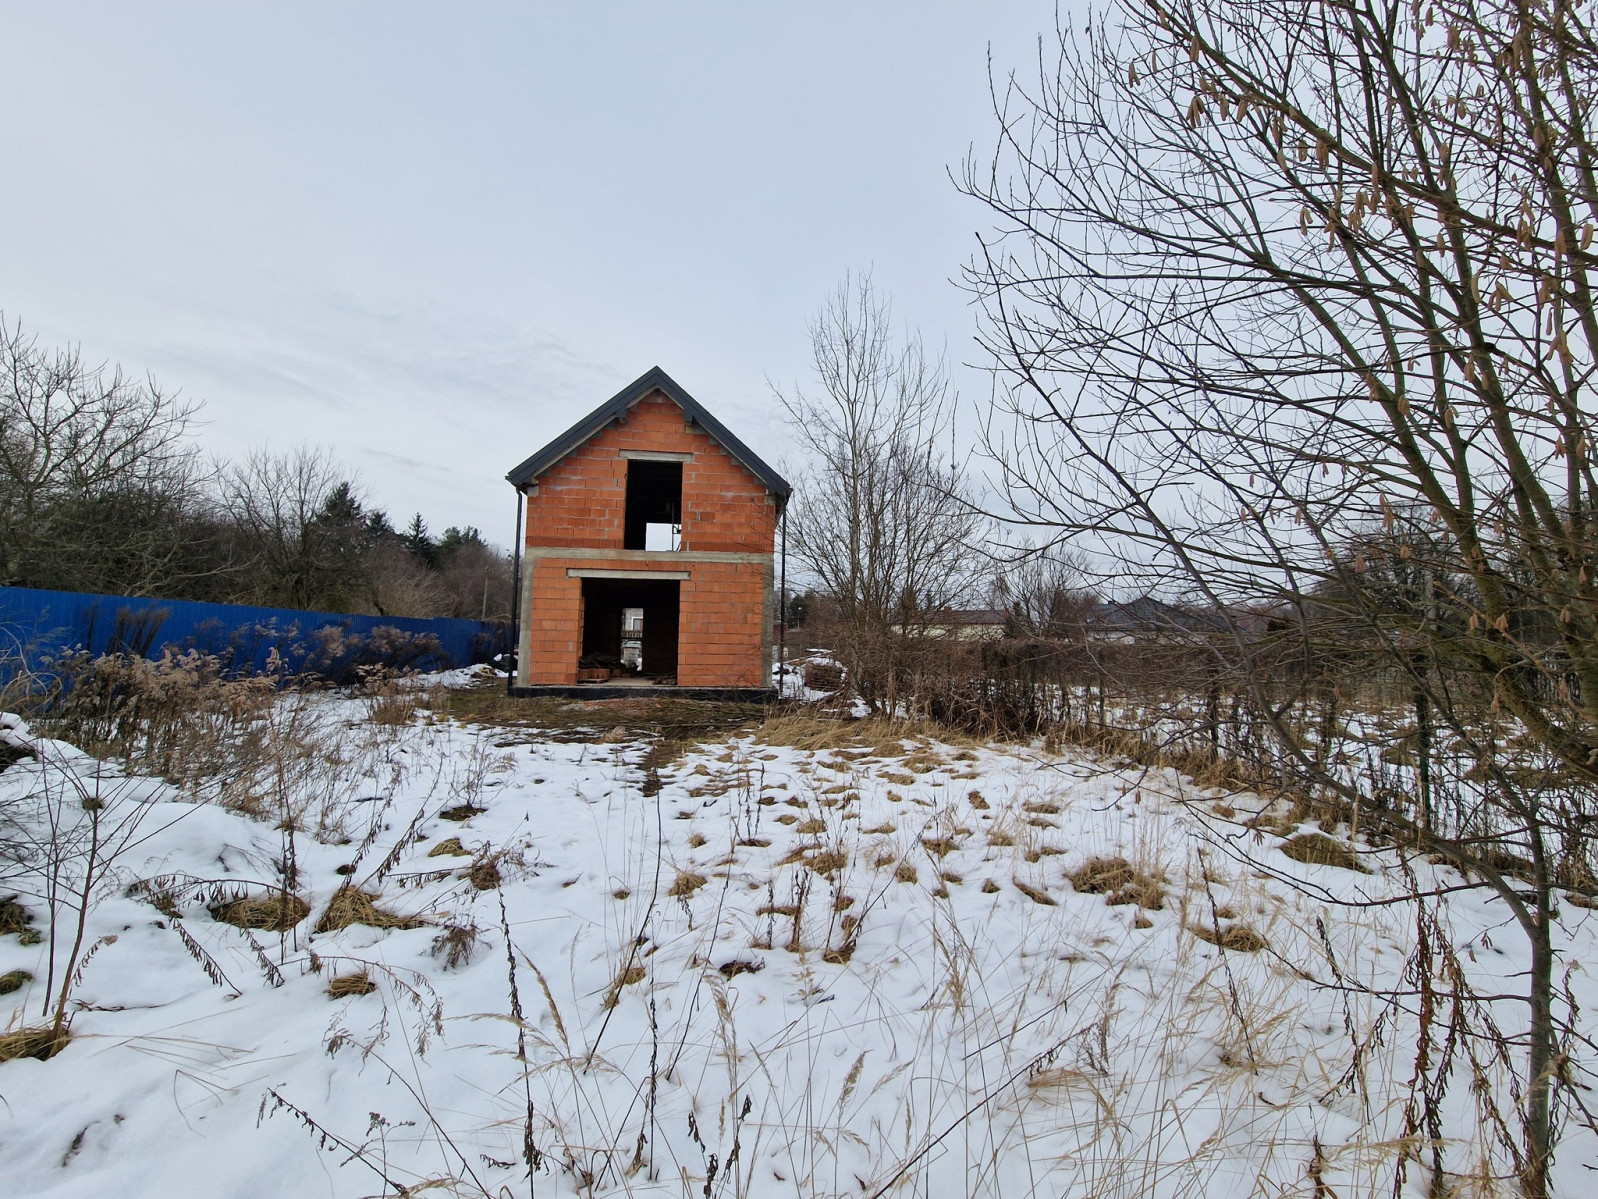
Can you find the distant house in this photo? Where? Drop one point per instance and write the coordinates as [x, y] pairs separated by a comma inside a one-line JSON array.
[[969, 624], [649, 551], [1148, 619]]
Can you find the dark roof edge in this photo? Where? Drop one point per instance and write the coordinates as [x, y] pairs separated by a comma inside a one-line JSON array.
[[616, 407]]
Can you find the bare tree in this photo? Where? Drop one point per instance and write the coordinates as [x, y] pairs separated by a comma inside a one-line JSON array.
[[285, 507], [1287, 295], [882, 519], [98, 483]]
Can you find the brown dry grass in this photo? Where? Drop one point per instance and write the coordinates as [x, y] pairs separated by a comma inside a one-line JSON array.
[[276, 913], [808, 729], [461, 812], [450, 847], [686, 884], [392, 705], [827, 861], [1035, 895], [41, 1041], [1234, 936], [14, 980], [347, 985], [1320, 850], [1118, 882], [484, 874], [351, 906], [14, 918], [668, 717]]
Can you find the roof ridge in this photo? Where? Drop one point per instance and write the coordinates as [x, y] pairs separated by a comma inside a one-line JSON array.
[[654, 379]]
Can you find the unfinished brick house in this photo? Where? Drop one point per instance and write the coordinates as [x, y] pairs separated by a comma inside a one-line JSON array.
[[648, 558]]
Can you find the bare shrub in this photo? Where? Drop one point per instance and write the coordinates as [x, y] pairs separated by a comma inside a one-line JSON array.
[[456, 943]]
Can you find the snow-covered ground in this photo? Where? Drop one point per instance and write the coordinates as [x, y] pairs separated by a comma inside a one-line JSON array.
[[749, 969]]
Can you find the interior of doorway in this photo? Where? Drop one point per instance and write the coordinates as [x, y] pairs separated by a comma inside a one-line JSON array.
[[629, 630]]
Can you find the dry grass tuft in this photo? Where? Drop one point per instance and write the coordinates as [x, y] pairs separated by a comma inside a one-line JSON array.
[[346, 985], [275, 913], [827, 861], [810, 827], [14, 980], [634, 973], [350, 906], [1034, 894], [906, 873], [989, 887], [1318, 849], [484, 873], [1118, 882], [686, 884], [451, 848], [739, 966], [391, 705], [461, 812], [1235, 936], [42, 1041], [942, 846], [976, 801], [14, 918], [810, 730]]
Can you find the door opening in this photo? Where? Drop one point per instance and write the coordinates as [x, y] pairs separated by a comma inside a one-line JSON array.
[[629, 630]]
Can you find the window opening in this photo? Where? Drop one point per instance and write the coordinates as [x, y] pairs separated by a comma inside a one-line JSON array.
[[653, 516]]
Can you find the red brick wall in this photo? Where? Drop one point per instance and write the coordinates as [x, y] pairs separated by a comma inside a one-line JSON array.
[[723, 624], [721, 630], [580, 500], [721, 633]]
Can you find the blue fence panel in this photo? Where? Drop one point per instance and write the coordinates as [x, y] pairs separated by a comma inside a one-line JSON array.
[[35, 625]]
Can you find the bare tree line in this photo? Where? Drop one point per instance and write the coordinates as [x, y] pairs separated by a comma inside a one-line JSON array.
[[103, 488]]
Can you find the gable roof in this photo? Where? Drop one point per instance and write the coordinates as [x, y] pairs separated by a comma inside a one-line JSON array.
[[616, 407]]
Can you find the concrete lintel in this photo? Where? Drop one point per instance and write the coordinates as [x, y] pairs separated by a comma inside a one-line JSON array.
[[585, 553], [577, 572], [654, 456]]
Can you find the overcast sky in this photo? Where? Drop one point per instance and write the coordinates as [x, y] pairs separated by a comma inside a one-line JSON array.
[[431, 236]]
